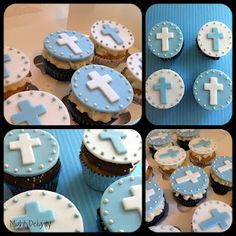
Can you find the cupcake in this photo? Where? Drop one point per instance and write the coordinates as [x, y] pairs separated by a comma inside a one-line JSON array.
[[214, 39], [159, 138], [221, 175], [170, 158], [107, 155], [31, 160], [35, 108], [111, 41], [41, 211], [164, 89], [17, 75], [165, 40], [99, 95], [212, 216], [64, 52], [189, 184], [202, 151], [212, 90], [184, 136], [148, 170], [121, 205], [133, 73], [165, 229], [156, 206]]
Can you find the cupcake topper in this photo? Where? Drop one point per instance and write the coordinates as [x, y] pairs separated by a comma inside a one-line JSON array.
[[6, 59]]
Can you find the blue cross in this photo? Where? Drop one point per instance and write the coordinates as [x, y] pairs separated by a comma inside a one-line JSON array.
[[215, 35], [216, 219], [163, 86], [34, 218], [28, 113], [116, 139], [113, 32], [170, 153], [202, 143], [6, 59]]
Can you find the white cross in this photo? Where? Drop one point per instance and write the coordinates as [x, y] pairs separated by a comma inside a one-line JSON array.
[[65, 39], [101, 82], [134, 202], [213, 87], [161, 135], [25, 145], [165, 36], [149, 193], [190, 176], [227, 166]]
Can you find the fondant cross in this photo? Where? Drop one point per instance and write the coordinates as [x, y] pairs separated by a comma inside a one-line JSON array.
[[69, 41], [227, 166], [134, 202], [215, 35], [116, 139], [149, 193], [28, 113], [202, 143], [160, 135], [163, 86], [112, 32], [101, 82], [213, 87], [170, 153], [165, 36], [34, 218], [6, 59], [218, 218], [25, 144], [190, 176]]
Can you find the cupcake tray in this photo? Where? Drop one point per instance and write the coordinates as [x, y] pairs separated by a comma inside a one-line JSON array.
[[181, 216]]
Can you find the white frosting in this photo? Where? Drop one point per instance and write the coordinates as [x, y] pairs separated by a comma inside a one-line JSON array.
[[104, 149], [202, 149], [220, 181], [164, 228], [192, 196], [56, 113], [156, 212], [134, 65], [63, 208]]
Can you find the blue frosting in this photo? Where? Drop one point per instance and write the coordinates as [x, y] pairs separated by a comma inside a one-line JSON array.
[[6, 59], [170, 153], [188, 187], [28, 113], [188, 133], [45, 155], [155, 195], [64, 52], [223, 95], [163, 86], [173, 38], [116, 139], [33, 214], [222, 168], [215, 35], [218, 218], [116, 94], [113, 33], [162, 137], [125, 220]]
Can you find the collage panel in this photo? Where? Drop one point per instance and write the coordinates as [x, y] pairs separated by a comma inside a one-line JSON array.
[[72, 180], [188, 180]]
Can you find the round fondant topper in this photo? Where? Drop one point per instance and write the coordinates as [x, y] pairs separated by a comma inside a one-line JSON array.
[[101, 88], [212, 216], [16, 66], [69, 46], [35, 108], [159, 137], [202, 145], [41, 211], [189, 180], [29, 152], [165, 40], [215, 39], [164, 228], [188, 133], [222, 167], [112, 35], [134, 64], [121, 205], [120, 146], [164, 89], [213, 90]]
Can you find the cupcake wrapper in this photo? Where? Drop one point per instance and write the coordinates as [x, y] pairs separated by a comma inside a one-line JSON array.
[[107, 62], [218, 188], [189, 202]]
